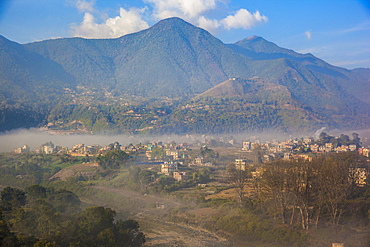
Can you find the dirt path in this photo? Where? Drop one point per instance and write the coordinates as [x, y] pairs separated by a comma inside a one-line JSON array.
[[158, 230]]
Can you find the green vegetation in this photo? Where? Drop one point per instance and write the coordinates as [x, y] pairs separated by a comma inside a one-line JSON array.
[[54, 218]]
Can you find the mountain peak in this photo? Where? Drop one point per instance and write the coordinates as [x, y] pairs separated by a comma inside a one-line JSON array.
[[254, 37], [172, 22], [253, 40]]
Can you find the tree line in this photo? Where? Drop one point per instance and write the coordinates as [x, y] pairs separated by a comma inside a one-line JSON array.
[[311, 192]]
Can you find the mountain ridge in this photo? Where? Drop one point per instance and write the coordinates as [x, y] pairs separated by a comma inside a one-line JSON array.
[[175, 60]]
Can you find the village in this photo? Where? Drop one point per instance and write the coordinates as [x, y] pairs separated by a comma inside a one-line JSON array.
[[211, 175], [176, 159]]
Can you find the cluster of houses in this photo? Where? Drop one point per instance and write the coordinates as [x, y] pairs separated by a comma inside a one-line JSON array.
[[303, 149], [170, 155], [299, 149]]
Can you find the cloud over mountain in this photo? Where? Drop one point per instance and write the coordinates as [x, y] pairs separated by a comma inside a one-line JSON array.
[[136, 19], [192, 9], [243, 19], [128, 21]]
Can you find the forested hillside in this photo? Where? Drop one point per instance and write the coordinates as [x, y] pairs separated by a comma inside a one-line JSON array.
[[171, 64]]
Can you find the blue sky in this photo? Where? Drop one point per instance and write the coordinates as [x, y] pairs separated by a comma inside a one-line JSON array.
[[337, 31]]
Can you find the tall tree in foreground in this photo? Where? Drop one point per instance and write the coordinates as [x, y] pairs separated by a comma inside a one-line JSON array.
[[325, 182], [238, 178], [274, 187], [335, 180]]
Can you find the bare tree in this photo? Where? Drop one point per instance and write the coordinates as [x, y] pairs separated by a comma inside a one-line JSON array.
[[299, 176], [238, 178], [274, 187], [335, 179]]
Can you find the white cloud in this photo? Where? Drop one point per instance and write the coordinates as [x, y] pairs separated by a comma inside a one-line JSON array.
[[85, 6], [131, 20], [194, 12], [187, 9], [208, 24], [128, 21], [243, 19], [308, 34]]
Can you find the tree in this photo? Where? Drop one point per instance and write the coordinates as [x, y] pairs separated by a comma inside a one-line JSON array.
[[45, 217], [129, 233], [238, 178], [299, 178], [113, 159], [324, 138], [7, 238], [274, 186], [96, 227], [12, 198], [158, 153], [95, 219], [65, 201], [335, 179], [36, 191], [325, 182], [207, 152], [356, 140]]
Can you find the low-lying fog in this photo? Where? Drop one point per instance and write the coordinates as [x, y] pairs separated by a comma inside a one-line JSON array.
[[35, 138]]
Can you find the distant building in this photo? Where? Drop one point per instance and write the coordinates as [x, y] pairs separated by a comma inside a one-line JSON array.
[[247, 146], [342, 148], [173, 153], [352, 147], [180, 176], [329, 146], [198, 160], [287, 156], [23, 149], [240, 164], [364, 151], [314, 148], [168, 167], [307, 140]]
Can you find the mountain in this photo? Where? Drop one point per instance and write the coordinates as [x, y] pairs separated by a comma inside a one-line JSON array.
[[173, 54], [26, 75], [26, 79], [174, 64], [310, 69]]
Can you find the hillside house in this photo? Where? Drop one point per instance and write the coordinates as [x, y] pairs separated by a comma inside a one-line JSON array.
[[364, 151], [342, 148], [247, 146], [168, 167], [47, 149], [198, 160], [240, 164], [173, 153], [287, 156], [352, 147], [180, 176], [23, 149]]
